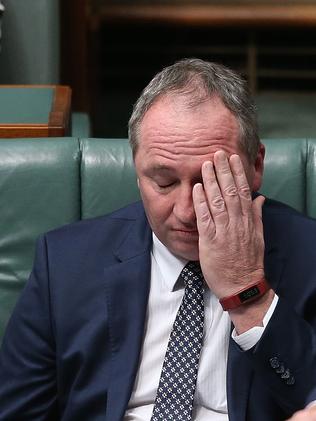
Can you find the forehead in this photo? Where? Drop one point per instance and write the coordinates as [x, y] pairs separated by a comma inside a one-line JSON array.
[[172, 128]]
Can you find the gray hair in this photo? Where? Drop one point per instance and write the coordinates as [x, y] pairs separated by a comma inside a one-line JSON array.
[[199, 80]]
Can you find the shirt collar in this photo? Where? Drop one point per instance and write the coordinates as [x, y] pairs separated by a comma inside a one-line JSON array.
[[170, 265]]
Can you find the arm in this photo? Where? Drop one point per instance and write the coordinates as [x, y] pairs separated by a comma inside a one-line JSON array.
[[27, 357], [231, 243], [231, 248]]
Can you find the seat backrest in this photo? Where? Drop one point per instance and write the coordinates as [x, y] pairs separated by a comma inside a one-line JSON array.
[[39, 190], [108, 179], [45, 183], [290, 173]]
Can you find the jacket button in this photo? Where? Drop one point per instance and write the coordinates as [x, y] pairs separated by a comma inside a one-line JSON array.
[[286, 374], [290, 381], [280, 369], [274, 362]]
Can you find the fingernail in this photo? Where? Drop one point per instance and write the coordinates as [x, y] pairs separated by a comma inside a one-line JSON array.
[[236, 158], [221, 156], [208, 165]]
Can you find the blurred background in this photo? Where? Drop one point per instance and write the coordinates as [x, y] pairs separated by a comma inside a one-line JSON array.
[[108, 50]]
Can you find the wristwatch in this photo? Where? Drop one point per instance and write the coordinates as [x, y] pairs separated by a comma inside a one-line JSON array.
[[246, 295]]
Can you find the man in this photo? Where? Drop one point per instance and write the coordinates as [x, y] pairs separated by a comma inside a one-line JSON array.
[[107, 297]]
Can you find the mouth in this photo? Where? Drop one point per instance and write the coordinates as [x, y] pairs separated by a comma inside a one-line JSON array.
[[186, 232]]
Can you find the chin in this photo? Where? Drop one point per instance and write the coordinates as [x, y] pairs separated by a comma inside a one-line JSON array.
[[187, 253]]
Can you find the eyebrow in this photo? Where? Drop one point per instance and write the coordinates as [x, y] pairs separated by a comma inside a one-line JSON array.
[[158, 168]]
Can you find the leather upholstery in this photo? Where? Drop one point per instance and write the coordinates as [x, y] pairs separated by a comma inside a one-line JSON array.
[[39, 190], [45, 183], [108, 179], [284, 176]]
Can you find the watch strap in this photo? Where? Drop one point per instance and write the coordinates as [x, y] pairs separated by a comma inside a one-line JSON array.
[[245, 295]]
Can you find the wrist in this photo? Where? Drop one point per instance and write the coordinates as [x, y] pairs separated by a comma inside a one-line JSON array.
[[250, 315]]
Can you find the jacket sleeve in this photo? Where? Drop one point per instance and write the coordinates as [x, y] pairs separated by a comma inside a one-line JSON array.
[[285, 358], [27, 356]]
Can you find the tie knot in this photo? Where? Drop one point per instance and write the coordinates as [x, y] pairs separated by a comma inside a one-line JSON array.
[[192, 274]]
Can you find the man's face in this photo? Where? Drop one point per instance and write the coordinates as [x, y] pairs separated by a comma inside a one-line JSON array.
[[174, 141]]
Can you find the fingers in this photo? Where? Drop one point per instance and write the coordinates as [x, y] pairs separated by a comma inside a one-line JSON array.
[[257, 211], [226, 192], [231, 243], [226, 183], [226, 187], [241, 182], [205, 223], [213, 193]]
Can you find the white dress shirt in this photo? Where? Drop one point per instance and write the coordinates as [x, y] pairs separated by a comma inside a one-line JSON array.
[[165, 295]]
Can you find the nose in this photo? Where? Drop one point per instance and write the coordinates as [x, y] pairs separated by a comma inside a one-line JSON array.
[[183, 207]]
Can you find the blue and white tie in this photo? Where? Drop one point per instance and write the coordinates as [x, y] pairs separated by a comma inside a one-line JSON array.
[[174, 400]]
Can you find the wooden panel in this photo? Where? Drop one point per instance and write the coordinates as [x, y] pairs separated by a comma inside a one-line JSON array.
[[244, 15], [58, 118], [74, 53], [58, 124]]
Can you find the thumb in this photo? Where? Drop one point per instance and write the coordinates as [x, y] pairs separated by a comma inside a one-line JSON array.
[[257, 205]]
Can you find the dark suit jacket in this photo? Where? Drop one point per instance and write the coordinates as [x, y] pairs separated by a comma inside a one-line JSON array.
[[72, 346]]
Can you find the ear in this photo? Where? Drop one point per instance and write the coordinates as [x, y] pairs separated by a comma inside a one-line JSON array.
[[258, 168]]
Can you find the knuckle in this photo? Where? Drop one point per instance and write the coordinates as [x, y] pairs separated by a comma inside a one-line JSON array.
[[218, 203], [205, 217], [231, 191], [244, 191]]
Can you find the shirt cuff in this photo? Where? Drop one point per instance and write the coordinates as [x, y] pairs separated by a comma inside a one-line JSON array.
[[252, 336]]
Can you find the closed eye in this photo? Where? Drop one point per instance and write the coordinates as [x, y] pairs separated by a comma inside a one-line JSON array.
[[165, 186]]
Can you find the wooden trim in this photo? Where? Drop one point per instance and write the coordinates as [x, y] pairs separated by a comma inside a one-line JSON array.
[[23, 130], [215, 15], [74, 51], [58, 121], [30, 86]]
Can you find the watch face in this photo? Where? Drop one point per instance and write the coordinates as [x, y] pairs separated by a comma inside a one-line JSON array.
[[248, 293]]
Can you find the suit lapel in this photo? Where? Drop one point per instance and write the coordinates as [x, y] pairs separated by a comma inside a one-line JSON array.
[[127, 284]]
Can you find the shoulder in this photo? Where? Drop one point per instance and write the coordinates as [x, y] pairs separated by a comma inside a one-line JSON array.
[[290, 255], [290, 231], [127, 214], [103, 231], [280, 216], [73, 258]]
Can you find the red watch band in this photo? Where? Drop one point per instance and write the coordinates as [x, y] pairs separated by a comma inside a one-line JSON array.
[[245, 295]]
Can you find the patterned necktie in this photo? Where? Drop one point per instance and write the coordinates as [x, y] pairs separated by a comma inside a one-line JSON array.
[[174, 400]]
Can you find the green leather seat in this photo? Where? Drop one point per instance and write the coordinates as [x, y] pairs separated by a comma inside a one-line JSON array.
[[110, 167], [45, 183], [290, 173], [39, 190]]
